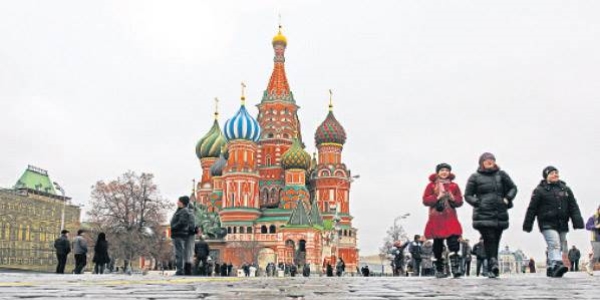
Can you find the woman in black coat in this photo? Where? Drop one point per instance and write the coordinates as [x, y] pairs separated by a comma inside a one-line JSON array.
[[553, 203], [101, 258], [490, 191]]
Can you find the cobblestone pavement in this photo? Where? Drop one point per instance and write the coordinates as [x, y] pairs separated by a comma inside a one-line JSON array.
[[50, 286]]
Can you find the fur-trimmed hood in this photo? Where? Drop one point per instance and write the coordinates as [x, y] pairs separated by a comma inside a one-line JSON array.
[[434, 176]]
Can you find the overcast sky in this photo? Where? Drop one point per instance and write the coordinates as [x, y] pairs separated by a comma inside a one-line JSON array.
[[89, 90]]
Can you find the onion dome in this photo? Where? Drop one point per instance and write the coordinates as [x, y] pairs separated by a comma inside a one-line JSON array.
[[210, 145], [217, 168], [295, 157], [330, 131], [280, 38], [242, 125]]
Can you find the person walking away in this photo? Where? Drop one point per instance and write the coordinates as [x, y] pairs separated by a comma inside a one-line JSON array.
[[466, 256], [190, 242], [427, 259], [201, 251], [593, 225], [101, 258], [532, 266], [80, 249], [479, 252], [416, 251], [63, 248], [574, 256], [180, 229], [553, 203], [340, 267], [398, 262], [329, 269], [306, 270], [443, 196], [491, 193]]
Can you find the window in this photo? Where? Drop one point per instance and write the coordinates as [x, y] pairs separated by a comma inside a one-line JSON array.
[[263, 229], [228, 229], [249, 229], [241, 229], [234, 230], [272, 229]]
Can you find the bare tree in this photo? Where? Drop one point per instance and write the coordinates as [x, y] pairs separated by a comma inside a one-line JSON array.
[[395, 233], [130, 211], [247, 251]]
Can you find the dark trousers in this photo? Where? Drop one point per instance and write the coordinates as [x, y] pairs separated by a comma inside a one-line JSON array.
[[62, 262], [99, 268], [491, 241], [467, 266], [201, 266], [575, 265], [80, 262], [438, 246], [180, 254], [480, 263], [416, 263]]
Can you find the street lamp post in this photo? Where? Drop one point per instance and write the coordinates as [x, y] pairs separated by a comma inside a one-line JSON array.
[[62, 215]]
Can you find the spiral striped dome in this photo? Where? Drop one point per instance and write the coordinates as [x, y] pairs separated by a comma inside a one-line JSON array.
[[330, 131], [295, 157], [210, 145], [242, 126]]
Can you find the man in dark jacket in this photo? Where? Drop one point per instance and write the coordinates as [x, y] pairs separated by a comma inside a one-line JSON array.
[[491, 193], [181, 224], [479, 252], [201, 251], [574, 256], [416, 251], [63, 248], [465, 249], [554, 204]]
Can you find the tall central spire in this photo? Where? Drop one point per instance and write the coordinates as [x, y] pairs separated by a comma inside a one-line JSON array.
[[278, 88]]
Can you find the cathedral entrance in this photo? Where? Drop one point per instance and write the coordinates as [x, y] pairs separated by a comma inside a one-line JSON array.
[[300, 257]]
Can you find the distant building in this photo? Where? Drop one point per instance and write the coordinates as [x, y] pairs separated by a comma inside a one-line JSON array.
[[30, 220]]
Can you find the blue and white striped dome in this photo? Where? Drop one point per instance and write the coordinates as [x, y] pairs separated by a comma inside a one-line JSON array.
[[242, 126]]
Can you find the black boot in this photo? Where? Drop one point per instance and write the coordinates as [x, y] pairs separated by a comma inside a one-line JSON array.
[[559, 269], [187, 269], [439, 269], [493, 269], [455, 265]]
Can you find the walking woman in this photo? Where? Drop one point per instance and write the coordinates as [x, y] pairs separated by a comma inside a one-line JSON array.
[[101, 258], [443, 196], [490, 191], [553, 204]]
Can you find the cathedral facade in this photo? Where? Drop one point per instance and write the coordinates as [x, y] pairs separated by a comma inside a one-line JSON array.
[[278, 203]]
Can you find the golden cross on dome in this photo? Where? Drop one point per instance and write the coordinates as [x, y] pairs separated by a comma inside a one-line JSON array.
[[280, 22], [216, 107], [330, 99], [243, 90]]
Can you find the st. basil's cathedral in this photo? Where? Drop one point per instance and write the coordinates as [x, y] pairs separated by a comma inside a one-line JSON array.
[[274, 199]]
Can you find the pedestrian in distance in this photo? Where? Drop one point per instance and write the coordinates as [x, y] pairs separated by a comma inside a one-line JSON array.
[[101, 258], [340, 267], [465, 249], [80, 249], [427, 259], [574, 256], [491, 192], [479, 252], [443, 196], [181, 225], [201, 251], [553, 204], [532, 266], [593, 225], [63, 248], [306, 270], [416, 251]]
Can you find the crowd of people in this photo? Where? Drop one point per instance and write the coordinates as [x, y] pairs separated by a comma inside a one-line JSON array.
[[441, 252], [491, 191]]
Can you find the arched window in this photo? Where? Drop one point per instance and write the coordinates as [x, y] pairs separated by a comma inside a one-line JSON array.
[[241, 229], [264, 196], [234, 230], [249, 229], [263, 229], [268, 161], [228, 229], [345, 232], [340, 173], [286, 136], [302, 246], [324, 173], [270, 135], [273, 197], [272, 229]]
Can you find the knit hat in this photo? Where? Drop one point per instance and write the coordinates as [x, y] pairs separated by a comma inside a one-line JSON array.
[[185, 200], [548, 170], [485, 156], [442, 166]]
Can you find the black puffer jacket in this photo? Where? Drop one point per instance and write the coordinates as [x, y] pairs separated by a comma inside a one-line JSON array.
[[486, 191], [181, 223], [553, 205]]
